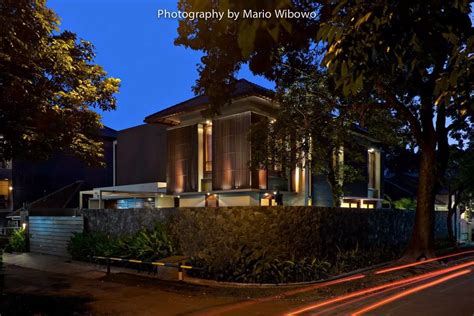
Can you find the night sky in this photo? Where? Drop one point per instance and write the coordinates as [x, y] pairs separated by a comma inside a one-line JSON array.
[[137, 47]]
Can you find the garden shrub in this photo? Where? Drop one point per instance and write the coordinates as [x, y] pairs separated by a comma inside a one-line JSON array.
[[257, 267], [18, 241], [145, 245]]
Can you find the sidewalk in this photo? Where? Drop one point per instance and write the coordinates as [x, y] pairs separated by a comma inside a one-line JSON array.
[[54, 264]]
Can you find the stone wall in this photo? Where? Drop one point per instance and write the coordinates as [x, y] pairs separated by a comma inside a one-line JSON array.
[[124, 222], [286, 231]]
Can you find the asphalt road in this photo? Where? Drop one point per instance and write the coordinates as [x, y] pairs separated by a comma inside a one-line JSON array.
[[447, 294], [29, 291]]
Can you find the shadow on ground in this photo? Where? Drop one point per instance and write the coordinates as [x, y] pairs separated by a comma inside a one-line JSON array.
[[30, 304]]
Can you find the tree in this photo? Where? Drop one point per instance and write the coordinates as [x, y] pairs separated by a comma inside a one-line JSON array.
[[423, 50], [313, 128], [415, 57], [49, 86]]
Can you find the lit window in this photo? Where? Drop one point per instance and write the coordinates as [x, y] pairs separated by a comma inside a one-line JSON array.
[[208, 148]]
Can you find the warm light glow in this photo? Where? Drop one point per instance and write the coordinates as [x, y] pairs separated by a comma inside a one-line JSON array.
[[371, 150], [24, 225], [161, 195], [208, 122], [272, 121], [297, 179], [410, 291], [275, 192], [404, 266], [10, 188], [381, 287], [208, 193]]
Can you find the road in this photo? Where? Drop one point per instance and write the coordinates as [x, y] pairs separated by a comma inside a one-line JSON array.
[[449, 294], [432, 290]]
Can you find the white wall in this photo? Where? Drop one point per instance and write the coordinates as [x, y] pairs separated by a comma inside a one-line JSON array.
[[165, 201], [192, 201], [239, 199]]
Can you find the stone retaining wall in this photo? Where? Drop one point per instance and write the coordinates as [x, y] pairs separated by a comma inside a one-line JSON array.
[[284, 230]]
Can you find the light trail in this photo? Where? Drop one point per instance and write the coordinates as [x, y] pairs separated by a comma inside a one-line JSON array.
[[404, 266], [409, 292], [380, 287], [243, 304], [355, 300]]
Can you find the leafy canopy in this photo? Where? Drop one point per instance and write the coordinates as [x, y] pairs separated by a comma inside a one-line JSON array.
[[49, 86]]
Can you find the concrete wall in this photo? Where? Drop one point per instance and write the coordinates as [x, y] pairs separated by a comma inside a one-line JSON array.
[[192, 201], [141, 154], [238, 199], [165, 201]]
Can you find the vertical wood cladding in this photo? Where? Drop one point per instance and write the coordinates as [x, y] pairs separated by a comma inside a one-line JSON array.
[[182, 171], [232, 150]]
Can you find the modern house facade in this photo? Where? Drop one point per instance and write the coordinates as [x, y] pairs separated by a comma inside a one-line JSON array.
[[208, 159], [139, 171]]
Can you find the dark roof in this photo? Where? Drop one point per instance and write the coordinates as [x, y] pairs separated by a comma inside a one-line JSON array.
[[60, 199], [108, 132], [242, 88]]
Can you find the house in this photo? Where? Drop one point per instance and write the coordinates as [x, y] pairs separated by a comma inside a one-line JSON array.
[[208, 159], [6, 188], [55, 183], [139, 171]]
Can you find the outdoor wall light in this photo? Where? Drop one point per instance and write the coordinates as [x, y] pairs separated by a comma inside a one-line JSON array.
[[275, 192], [371, 150], [10, 188]]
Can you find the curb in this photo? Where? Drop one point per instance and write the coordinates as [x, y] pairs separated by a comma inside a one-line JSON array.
[[206, 282]]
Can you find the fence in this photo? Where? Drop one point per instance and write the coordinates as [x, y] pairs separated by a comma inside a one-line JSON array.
[[51, 234]]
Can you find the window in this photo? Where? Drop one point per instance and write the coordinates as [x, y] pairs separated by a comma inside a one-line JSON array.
[[208, 147]]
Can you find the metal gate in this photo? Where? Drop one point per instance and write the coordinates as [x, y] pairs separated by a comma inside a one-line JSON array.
[[51, 234]]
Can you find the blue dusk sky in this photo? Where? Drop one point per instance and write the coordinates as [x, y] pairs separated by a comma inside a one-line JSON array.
[[134, 45]]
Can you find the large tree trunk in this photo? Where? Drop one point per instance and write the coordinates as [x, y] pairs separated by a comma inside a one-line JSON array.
[[422, 240]]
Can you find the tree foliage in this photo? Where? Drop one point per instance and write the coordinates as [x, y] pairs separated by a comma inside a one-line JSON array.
[[414, 57], [49, 86]]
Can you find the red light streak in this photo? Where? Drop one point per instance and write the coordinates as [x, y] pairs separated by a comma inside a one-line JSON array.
[[380, 287], [404, 266], [410, 291], [362, 298], [229, 308]]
